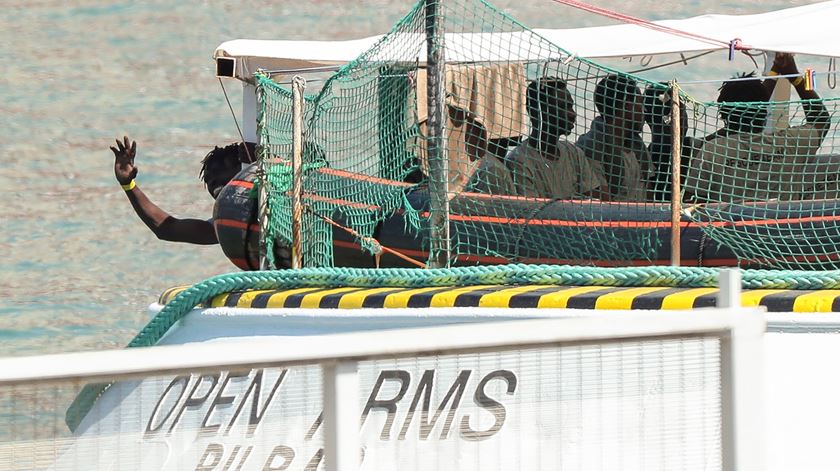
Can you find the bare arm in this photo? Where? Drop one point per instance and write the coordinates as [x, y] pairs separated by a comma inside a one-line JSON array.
[[815, 111], [167, 227], [162, 224]]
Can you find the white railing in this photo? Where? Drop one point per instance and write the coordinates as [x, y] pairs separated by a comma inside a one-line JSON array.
[[739, 333]]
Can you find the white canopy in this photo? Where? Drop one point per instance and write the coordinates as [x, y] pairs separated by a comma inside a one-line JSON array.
[[803, 30]]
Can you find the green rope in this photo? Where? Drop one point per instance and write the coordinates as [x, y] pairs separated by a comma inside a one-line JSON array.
[[549, 275]]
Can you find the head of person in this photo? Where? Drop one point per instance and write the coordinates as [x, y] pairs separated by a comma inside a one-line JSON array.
[[742, 107], [219, 166], [658, 105], [551, 106], [247, 152], [475, 136], [618, 99]]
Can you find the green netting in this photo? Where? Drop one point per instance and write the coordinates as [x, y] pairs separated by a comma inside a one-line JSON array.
[[769, 193], [550, 158]]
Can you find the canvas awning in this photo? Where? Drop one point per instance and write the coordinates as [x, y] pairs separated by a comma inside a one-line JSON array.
[[806, 29]]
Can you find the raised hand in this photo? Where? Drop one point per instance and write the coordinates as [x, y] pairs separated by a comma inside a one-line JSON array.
[[784, 64], [124, 153]]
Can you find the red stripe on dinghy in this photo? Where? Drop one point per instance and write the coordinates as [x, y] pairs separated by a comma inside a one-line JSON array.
[[770, 222], [636, 224], [559, 222], [365, 178], [340, 202], [237, 224], [241, 183]]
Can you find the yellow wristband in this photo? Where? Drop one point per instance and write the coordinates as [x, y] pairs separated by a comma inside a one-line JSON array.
[[797, 82], [129, 186], [772, 73]]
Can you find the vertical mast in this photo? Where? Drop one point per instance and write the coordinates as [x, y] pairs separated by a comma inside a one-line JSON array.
[[439, 249], [298, 85], [676, 158]]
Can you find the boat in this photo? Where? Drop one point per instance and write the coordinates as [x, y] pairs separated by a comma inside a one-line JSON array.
[[630, 398], [644, 386]]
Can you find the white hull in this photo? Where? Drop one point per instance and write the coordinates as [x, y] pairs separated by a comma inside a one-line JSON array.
[[268, 419]]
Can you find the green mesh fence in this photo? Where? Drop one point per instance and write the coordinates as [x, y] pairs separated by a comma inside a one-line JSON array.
[[767, 191], [551, 159]]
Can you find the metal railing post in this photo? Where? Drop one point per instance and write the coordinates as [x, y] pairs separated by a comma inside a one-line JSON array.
[[729, 282], [742, 384], [341, 416]]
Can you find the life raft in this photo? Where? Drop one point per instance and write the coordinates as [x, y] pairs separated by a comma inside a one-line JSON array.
[[555, 231], [235, 218]]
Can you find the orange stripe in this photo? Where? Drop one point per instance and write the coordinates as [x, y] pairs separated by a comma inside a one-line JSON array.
[[362, 177], [633, 224], [236, 224], [367, 178], [559, 222], [340, 202], [770, 222], [759, 203], [241, 183], [610, 224]]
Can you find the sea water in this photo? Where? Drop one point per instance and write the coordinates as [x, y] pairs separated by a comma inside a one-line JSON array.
[[77, 267]]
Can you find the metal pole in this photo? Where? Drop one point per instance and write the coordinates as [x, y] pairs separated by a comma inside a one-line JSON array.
[[298, 86], [249, 112], [262, 204], [439, 250], [341, 416], [262, 177], [729, 297], [729, 284], [676, 157], [742, 383]]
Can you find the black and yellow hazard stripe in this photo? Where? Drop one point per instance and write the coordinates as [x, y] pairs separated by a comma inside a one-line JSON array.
[[580, 297]]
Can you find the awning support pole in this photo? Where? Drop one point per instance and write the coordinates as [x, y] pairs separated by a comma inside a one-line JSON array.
[[298, 86], [676, 157], [262, 178], [439, 238]]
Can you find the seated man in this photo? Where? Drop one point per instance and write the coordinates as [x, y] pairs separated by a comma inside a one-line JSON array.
[[543, 165], [614, 140], [658, 105], [741, 162], [484, 172], [471, 167]]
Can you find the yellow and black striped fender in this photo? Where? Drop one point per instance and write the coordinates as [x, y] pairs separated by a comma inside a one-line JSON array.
[[529, 296]]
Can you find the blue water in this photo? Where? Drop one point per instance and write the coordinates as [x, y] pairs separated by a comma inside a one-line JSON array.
[[77, 268]]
